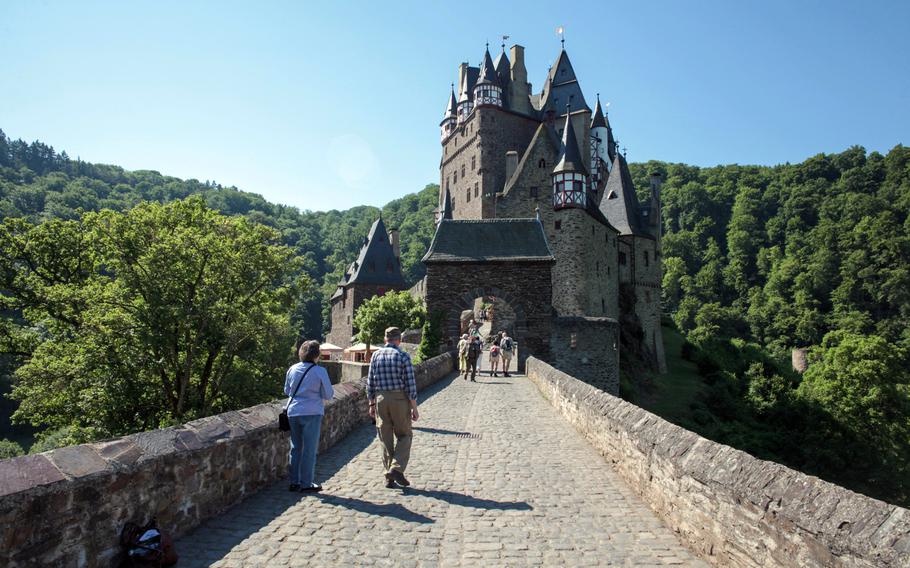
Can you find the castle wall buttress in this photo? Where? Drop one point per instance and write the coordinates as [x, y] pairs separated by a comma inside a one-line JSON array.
[[643, 271]]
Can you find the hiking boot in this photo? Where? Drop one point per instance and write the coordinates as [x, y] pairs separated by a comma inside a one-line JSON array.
[[506, 375], [314, 488], [389, 484], [398, 477]]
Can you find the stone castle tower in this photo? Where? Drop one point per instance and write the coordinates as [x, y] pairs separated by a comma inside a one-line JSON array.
[[376, 271], [510, 153]]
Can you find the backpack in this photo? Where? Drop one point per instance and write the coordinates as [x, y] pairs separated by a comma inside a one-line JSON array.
[[474, 350], [507, 344], [146, 546]]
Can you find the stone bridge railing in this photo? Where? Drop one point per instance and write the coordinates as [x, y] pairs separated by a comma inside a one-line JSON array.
[[66, 507], [731, 508]]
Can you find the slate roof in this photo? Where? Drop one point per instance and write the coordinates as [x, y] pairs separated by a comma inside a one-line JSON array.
[[466, 89], [570, 158], [489, 240], [488, 70], [376, 263], [598, 119], [561, 88], [622, 211], [450, 108]]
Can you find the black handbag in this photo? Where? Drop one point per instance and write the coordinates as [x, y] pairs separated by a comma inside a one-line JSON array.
[[283, 423]]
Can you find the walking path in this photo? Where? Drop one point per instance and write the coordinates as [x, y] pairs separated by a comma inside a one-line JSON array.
[[498, 479]]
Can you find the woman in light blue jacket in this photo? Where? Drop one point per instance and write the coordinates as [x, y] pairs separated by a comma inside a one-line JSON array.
[[308, 385]]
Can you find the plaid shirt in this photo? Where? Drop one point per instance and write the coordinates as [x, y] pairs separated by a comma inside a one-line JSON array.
[[391, 370]]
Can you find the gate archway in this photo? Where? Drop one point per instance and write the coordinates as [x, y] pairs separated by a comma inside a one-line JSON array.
[[505, 259]]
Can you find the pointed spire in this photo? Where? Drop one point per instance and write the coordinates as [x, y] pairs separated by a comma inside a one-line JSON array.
[[446, 206], [570, 159], [487, 69], [620, 203], [598, 119], [450, 109]]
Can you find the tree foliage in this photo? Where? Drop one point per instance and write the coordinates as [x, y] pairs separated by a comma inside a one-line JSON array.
[[393, 309], [130, 321]]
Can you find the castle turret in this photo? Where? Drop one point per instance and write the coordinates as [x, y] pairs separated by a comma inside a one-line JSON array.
[[487, 91], [450, 119], [467, 77], [570, 178], [445, 209], [602, 145]]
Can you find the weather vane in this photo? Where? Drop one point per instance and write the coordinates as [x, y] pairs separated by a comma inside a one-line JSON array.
[[561, 31], [504, 38]]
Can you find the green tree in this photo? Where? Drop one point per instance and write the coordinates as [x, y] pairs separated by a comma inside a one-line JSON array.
[[394, 309], [10, 449], [135, 320]]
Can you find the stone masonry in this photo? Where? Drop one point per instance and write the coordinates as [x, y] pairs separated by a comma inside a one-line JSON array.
[[498, 479], [733, 509]]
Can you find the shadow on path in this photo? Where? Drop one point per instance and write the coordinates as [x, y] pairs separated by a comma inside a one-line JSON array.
[[463, 500], [441, 431], [395, 510]]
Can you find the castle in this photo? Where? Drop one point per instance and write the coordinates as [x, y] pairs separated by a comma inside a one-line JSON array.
[[537, 209], [509, 153]]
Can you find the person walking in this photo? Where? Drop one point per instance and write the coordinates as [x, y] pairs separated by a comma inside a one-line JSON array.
[[494, 357], [506, 347], [308, 385], [463, 346], [392, 396], [474, 351]]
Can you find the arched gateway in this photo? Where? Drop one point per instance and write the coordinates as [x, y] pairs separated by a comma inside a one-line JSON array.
[[508, 259]]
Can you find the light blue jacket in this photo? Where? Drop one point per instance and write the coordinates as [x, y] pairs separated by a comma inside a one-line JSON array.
[[316, 387]]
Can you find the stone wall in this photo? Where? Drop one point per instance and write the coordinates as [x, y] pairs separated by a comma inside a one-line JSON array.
[[731, 508], [588, 349], [66, 507]]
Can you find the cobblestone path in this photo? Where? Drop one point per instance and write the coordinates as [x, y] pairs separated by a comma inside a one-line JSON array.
[[498, 479]]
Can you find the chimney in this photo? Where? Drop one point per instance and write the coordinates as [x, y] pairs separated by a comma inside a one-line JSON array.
[[656, 182], [519, 88], [396, 247], [462, 71], [511, 163]]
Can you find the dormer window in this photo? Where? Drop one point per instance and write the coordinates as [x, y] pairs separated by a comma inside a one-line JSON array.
[[542, 163]]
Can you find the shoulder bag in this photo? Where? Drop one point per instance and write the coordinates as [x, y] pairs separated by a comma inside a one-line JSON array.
[[283, 423]]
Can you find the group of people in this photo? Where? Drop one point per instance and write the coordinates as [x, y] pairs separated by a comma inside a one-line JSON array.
[[391, 395], [470, 348], [392, 399]]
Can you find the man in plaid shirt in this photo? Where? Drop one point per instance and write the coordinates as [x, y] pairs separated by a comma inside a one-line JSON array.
[[392, 392]]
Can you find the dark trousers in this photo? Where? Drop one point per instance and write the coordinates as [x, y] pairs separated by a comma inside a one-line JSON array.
[[472, 365]]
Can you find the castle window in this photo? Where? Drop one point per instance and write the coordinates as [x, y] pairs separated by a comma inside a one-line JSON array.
[[592, 231], [468, 198], [603, 306], [476, 189], [473, 163], [455, 176], [597, 265], [569, 190], [622, 259], [533, 192], [557, 225], [607, 238], [542, 163], [647, 295], [349, 320], [646, 258], [573, 340], [462, 170]]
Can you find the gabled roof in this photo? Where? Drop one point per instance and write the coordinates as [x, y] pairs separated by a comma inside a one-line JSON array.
[[489, 240], [619, 203], [544, 133], [562, 88], [570, 158], [376, 263]]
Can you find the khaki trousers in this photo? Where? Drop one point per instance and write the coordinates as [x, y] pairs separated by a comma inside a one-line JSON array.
[[393, 418]]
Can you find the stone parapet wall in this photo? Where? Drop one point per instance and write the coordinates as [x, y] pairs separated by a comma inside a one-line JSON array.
[[731, 508], [66, 507]]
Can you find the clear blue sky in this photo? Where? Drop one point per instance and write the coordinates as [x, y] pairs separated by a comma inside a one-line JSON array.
[[330, 104]]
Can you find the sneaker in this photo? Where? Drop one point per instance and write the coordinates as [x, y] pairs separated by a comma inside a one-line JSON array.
[[314, 488], [506, 375], [294, 487], [389, 484], [398, 477]]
